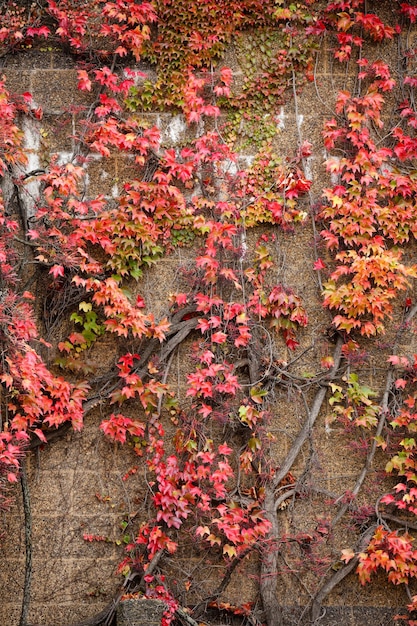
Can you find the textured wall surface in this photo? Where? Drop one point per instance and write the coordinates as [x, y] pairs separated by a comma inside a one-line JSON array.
[[76, 484]]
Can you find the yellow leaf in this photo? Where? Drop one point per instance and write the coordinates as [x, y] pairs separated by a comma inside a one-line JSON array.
[[229, 550]]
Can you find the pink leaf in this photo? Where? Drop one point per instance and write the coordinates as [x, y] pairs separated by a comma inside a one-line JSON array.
[[57, 270], [219, 337], [40, 434], [388, 499], [224, 449]]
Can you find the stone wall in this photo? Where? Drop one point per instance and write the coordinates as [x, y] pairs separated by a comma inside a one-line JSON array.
[[76, 484]]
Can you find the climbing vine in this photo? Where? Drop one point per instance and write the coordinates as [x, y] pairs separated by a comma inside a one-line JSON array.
[[208, 449]]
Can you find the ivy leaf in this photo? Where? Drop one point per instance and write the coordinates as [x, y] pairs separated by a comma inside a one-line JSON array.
[[219, 337], [40, 434], [347, 555], [57, 270], [85, 306], [319, 265], [229, 550]]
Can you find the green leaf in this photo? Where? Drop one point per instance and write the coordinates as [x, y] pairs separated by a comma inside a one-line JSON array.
[[75, 317]]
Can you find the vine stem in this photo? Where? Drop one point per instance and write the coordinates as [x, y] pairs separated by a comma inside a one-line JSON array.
[[198, 610], [269, 566], [28, 543], [370, 456], [107, 616], [312, 416], [177, 333], [185, 617], [381, 423], [337, 577], [310, 196]]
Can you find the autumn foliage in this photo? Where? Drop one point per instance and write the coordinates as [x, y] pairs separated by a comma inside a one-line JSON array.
[[207, 449]]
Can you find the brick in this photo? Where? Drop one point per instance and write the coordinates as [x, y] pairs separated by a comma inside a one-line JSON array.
[[140, 613]]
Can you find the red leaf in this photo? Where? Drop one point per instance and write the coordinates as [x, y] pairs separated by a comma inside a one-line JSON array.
[[388, 499], [84, 83], [319, 265]]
